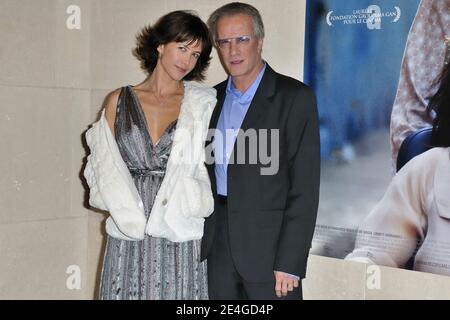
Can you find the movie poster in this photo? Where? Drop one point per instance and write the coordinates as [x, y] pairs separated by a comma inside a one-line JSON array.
[[374, 67]]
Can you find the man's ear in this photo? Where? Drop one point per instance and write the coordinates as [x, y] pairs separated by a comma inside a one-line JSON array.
[[260, 44]]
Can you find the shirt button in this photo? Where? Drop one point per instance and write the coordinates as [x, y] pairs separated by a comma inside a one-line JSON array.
[[164, 202]]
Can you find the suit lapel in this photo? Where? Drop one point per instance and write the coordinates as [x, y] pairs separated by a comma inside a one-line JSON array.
[[221, 89], [261, 101]]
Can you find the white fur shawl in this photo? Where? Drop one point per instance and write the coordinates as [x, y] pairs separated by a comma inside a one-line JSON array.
[[184, 198]]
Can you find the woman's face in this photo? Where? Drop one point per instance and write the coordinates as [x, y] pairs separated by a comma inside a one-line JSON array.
[[178, 59]]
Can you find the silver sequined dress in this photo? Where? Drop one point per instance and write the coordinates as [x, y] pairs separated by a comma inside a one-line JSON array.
[[154, 268]]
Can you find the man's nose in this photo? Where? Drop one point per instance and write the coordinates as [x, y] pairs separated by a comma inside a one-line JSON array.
[[234, 48]]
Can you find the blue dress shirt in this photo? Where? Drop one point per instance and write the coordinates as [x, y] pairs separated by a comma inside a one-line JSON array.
[[234, 109]]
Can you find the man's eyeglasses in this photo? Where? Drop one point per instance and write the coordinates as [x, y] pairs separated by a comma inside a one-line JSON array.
[[239, 41]]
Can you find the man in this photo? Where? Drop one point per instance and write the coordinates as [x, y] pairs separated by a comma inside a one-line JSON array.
[[258, 238]]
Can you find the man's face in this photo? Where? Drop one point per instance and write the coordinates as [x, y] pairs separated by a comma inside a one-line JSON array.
[[242, 58]]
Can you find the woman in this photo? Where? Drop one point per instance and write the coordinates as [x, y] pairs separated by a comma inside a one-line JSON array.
[[148, 169], [413, 218], [427, 49]]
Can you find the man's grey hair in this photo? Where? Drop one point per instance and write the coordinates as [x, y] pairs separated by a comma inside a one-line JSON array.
[[232, 9]]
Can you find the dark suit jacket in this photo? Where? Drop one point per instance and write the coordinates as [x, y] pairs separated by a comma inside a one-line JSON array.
[[272, 217]]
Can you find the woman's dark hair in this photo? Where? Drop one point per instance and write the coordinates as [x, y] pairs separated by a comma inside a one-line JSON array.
[[176, 26], [440, 103]]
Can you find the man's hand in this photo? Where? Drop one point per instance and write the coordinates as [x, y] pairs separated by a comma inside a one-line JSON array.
[[284, 283]]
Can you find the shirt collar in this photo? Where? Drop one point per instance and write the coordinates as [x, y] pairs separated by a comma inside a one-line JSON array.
[[247, 96]]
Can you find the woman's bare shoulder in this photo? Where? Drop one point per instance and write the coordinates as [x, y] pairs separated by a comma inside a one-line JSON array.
[[110, 106]]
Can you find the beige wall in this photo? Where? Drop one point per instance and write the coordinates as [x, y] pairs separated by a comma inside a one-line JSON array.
[[52, 84]]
